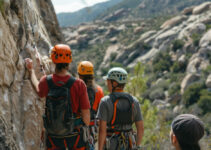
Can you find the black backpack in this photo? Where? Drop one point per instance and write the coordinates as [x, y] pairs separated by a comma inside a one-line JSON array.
[[122, 116], [91, 94], [59, 118]]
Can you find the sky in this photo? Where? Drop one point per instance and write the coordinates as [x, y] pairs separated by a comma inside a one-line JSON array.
[[73, 5]]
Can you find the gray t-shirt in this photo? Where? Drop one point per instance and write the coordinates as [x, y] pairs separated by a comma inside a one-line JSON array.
[[106, 109]]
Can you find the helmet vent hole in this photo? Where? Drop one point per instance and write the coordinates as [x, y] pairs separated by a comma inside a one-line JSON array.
[[60, 55]]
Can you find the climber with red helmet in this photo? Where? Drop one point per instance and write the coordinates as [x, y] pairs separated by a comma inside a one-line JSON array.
[[67, 104], [95, 93]]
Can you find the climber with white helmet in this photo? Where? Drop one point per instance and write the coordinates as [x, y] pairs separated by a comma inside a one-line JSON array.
[[117, 112]]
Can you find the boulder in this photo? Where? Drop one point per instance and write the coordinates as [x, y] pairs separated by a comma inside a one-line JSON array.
[[112, 31], [86, 29], [201, 8], [147, 34], [188, 10], [138, 30], [113, 40], [208, 81], [182, 59], [178, 109], [142, 5], [189, 78], [166, 36], [205, 40], [196, 64], [172, 22]]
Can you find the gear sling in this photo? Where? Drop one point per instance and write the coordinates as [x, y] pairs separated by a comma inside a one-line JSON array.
[[59, 118], [121, 116]]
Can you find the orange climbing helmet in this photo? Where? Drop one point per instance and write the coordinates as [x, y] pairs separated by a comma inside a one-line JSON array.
[[61, 53], [85, 68]]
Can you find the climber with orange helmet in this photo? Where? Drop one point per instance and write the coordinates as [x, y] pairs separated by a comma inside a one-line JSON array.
[[67, 104], [95, 93]]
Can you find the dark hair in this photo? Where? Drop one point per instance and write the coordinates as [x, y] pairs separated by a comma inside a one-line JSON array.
[[88, 79], [188, 129], [61, 66]]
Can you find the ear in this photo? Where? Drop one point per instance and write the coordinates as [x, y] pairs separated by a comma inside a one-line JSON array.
[[174, 140], [115, 83]]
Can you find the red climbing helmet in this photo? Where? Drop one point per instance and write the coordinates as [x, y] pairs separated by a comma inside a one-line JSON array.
[[61, 53]]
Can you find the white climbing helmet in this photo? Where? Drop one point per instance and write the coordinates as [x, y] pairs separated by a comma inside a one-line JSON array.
[[117, 74]]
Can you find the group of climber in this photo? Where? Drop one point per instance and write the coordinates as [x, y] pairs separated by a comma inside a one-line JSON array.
[[77, 114]]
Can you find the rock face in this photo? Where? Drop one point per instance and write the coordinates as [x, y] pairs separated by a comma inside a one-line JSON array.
[[190, 78], [27, 29], [201, 8], [208, 82], [172, 22]]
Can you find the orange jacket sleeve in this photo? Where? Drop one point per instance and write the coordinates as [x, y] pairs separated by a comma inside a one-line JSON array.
[[99, 94]]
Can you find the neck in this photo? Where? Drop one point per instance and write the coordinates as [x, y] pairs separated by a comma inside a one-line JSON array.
[[118, 90], [61, 73]]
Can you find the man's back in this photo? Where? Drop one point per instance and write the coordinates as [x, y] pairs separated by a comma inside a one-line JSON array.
[[106, 110]]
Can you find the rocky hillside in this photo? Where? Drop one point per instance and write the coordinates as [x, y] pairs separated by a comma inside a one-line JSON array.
[[114, 10], [176, 53], [27, 29], [86, 14], [133, 9]]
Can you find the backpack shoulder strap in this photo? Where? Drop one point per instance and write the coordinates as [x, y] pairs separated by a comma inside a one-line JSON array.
[[70, 82], [113, 98], [50, 81], [126, 96]]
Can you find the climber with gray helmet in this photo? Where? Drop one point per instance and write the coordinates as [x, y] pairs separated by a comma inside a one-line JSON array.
[[117, 112]]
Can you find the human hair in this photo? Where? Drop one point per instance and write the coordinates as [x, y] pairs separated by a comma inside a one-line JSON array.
[[61, 66], [88, 79]]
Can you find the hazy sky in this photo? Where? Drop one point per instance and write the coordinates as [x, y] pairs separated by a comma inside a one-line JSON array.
[[73, 5]]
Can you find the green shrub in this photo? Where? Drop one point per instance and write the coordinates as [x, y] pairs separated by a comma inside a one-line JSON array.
[[146, 46], [174, 88], [208, 26], [207, 71], [205, 103], [116, 64], [155, 128], [162, 62], [113, 56], [178, 67], [192, 94], [157, 94], [137, 84], [177, 44], [196, 38]]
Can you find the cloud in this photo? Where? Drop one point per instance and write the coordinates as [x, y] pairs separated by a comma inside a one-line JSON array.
[[73, 5]]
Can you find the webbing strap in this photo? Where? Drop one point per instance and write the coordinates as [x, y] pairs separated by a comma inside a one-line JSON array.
[[77, 140], [50, 81], [51, 84], [65, 143], [114, 115], [52, 144]]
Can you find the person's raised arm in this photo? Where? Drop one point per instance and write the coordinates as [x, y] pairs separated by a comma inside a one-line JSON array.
[[140, 131], [34, 80]]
